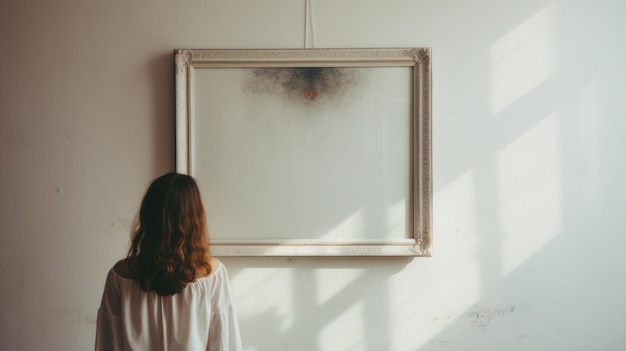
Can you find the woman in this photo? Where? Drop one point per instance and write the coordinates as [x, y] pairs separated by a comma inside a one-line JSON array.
[[169, 293]]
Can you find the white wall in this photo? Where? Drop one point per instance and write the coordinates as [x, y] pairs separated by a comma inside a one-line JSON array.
[[529, 161]]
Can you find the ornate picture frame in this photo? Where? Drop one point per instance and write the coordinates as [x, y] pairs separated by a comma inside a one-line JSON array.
[[309, 152]]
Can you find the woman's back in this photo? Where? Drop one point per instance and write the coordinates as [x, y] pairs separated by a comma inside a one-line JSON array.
[[169, 293], [201, 317]]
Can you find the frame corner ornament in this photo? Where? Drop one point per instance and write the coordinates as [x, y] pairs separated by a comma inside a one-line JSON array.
[[183, 59], [420, 55]]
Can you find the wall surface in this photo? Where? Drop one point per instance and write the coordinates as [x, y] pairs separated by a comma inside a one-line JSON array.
[[529, 140]]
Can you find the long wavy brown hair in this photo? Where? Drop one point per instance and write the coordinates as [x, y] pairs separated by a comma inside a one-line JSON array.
[[170, 244]]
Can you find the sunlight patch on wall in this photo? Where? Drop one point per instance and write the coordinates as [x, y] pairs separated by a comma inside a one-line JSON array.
[[259, 284], [427, 314], [454, 215], [523, 58], [462, 276], [345, 332], [529, 190], [332, 282]]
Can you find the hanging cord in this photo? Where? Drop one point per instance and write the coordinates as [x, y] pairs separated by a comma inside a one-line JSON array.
[[308, 24]]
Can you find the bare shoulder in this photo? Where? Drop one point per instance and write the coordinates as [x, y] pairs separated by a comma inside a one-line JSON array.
[[122, 269], [215, 263]]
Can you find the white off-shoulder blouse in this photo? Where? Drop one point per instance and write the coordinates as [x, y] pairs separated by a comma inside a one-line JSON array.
[[201, 317]]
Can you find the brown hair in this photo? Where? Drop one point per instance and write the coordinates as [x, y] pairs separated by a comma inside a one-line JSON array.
[[170, 242]]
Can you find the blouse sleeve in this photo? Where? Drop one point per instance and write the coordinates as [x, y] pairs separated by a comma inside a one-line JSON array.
[[224, 334], [109, 325]]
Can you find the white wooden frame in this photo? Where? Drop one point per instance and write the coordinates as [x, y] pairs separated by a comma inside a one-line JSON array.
[[189, 61]]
